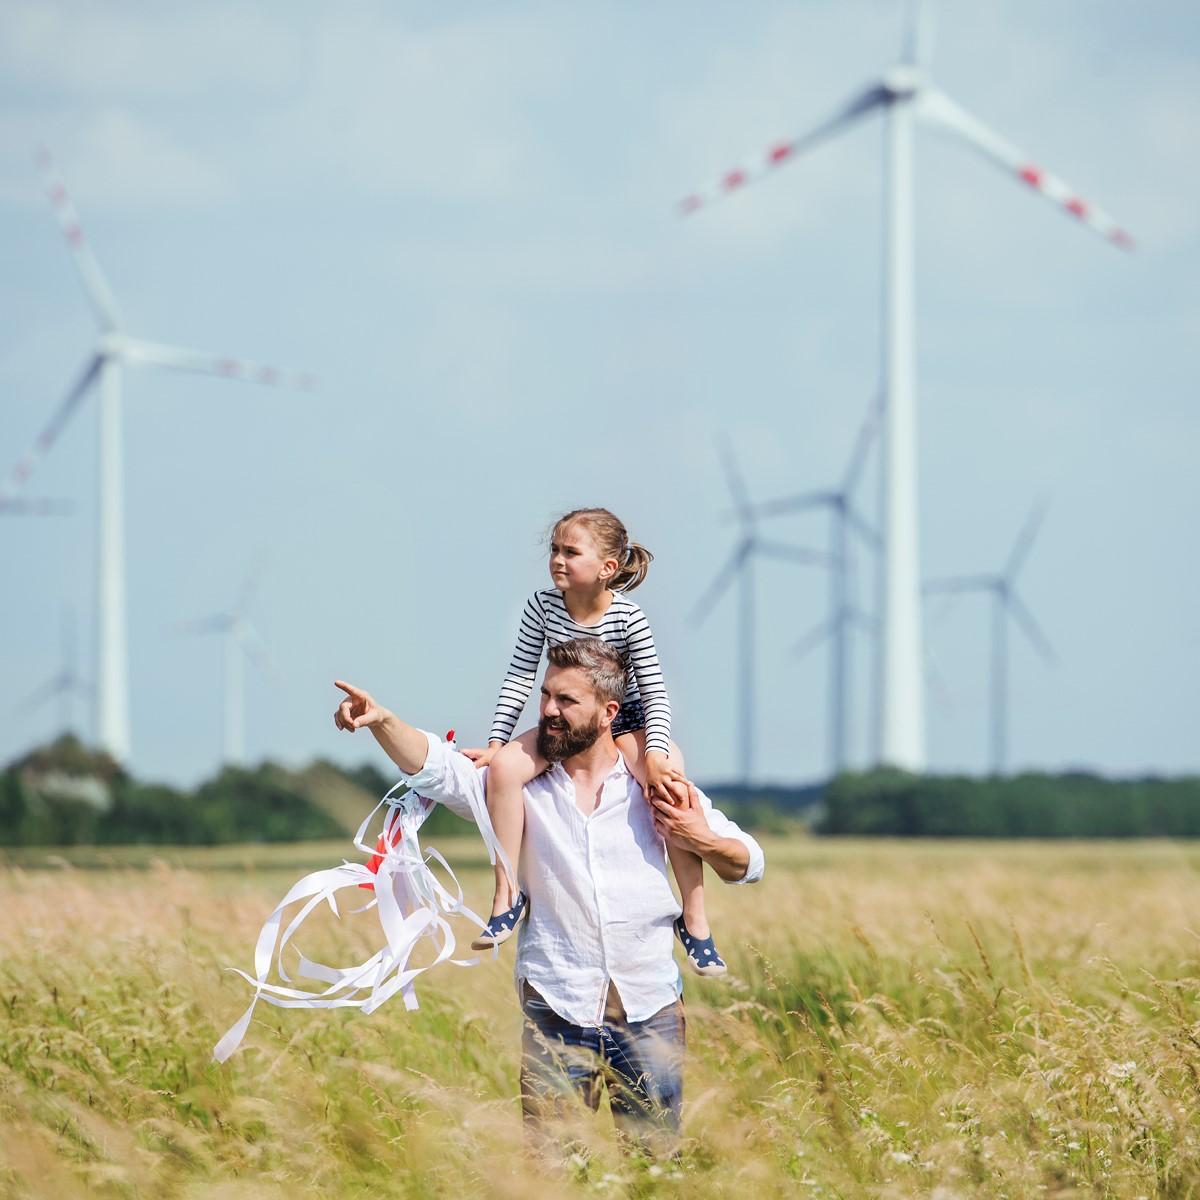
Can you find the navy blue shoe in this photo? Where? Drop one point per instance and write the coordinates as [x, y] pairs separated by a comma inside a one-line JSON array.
[[701, 953], [502, 926]]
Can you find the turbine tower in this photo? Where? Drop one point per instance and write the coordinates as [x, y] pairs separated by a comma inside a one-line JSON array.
[[114, 351], [1005, 604], [903, 94], [242, 641], [740, 565], [845, 616]]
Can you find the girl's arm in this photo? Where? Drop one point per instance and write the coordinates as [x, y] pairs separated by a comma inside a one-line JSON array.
[[522, 672], [647, 671], [643, 658]]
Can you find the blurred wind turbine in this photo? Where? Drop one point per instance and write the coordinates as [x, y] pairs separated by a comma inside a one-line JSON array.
[[63, 686], [845, 615], [740, 565], [904, 93], [115, 350], [242, 641], [1005, 603]]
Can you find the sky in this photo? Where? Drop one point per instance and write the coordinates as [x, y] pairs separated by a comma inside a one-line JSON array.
[[461, 219]]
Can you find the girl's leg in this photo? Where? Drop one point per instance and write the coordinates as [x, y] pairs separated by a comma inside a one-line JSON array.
[[688, 867], [512, 768]]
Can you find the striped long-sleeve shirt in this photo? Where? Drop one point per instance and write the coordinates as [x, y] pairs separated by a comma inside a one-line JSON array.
[[546, 621]]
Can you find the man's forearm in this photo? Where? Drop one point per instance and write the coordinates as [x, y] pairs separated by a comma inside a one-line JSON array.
[[727, 856], [407, 747]]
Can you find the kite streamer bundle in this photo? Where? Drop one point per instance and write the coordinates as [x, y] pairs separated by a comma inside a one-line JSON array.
[[412, 904]]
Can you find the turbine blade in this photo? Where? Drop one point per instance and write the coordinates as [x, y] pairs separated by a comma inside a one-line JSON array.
[[919, 30], [49, 435], [862, 444], [250, 585], [255, 649], [795, 504], [1029, 627], [962, 583], [785, 152], [813, 638], [733, 477], [796, 554], [721, 582], [177, 358], [863, 528], [1025, 539], [94, 284], [940, 108], [40, 695]]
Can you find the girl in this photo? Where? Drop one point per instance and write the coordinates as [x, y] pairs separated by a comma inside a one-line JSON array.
[[592, 566]]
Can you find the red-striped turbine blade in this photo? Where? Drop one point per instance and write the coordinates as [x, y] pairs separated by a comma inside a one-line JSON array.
[[46, 439], [94, 283], [777, 155], [940, 108]]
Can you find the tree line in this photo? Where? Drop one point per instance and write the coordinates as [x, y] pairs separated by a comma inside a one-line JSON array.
[[1075, 804], [65, 794]]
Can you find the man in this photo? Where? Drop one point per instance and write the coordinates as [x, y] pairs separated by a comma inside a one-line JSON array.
[[598, 984]]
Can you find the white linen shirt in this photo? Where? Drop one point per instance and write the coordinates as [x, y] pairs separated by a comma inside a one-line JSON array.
[[601, 907]]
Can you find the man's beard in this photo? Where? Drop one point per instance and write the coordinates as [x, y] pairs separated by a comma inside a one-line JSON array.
[[555, 745]]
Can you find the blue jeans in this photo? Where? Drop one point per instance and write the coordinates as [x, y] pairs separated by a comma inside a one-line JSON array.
[[639, 1062]]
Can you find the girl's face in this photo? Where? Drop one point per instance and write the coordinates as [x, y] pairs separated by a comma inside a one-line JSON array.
[[575, 560]]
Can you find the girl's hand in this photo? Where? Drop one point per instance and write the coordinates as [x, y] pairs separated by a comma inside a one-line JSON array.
[[481, 758], [664, 782]]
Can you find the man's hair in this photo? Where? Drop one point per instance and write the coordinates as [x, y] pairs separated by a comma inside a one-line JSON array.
[[604, 665]]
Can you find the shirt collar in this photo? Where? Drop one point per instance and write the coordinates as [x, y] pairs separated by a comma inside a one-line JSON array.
[[620, 767]]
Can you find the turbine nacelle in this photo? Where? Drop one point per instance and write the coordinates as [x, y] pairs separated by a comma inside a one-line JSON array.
[[903, 82], [112, 346]]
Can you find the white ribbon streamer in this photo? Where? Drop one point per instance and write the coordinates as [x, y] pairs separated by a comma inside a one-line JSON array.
[[412, 904]]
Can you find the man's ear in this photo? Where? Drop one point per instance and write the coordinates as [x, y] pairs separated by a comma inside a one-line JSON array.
[[610, 711]]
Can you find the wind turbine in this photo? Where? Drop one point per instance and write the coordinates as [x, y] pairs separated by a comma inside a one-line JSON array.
[[1005, 604], [904, 93], [113, 352], [845, 616], [740, 565], [242, 641], [63, 686]]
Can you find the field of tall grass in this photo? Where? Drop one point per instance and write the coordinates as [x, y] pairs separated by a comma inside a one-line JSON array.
[[903, 1019]]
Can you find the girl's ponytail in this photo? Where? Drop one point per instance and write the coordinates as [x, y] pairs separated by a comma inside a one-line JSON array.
[[633, 570]]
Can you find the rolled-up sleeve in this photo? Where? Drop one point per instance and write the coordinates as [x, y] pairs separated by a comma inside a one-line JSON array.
[[451, 779], [722, 826]]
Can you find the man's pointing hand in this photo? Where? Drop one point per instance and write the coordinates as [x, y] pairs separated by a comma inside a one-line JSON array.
[[358, 710]]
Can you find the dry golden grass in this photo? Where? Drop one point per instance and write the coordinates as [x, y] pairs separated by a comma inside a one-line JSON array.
[[904, 1020]]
